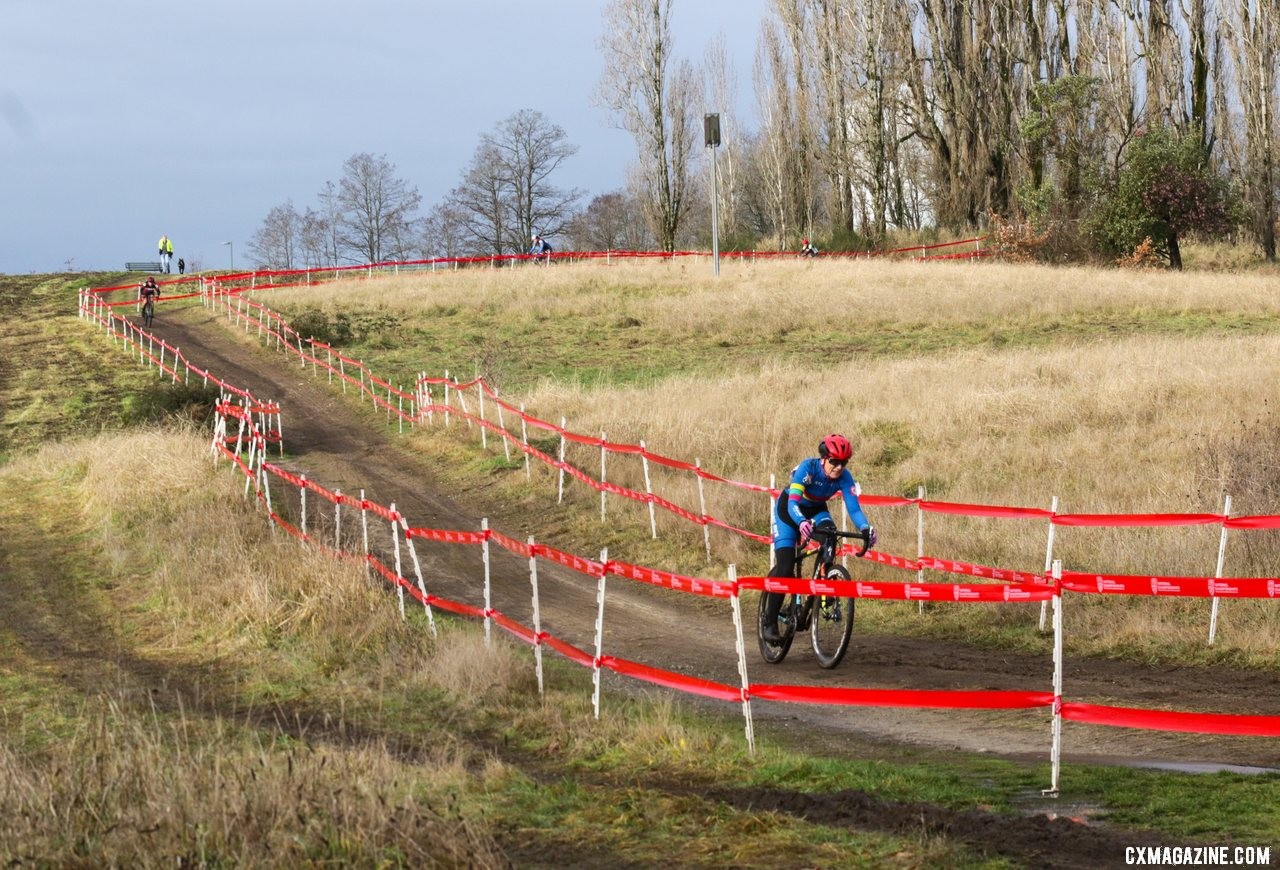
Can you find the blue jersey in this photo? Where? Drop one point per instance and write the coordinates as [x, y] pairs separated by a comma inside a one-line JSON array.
[[811, 489]]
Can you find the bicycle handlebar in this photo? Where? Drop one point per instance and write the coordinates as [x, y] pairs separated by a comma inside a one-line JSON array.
[[836, 533]]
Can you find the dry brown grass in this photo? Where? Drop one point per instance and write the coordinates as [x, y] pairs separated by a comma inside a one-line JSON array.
[[1119, 421], [127, 792], [203, 587], [768, 296]]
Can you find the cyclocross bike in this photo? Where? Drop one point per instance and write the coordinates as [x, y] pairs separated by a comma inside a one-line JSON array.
[[828, 618], [148, 311]]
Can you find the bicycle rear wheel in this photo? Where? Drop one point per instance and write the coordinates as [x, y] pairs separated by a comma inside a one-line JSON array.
[[776, 652], [832, 624]]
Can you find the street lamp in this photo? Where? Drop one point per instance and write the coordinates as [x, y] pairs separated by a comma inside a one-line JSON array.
[[232, 252]]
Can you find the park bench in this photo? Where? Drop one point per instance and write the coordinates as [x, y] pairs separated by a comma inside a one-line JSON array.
[[143, 267]]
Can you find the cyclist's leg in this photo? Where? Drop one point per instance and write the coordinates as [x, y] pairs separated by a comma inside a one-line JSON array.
[[822, 517], [784, 566]]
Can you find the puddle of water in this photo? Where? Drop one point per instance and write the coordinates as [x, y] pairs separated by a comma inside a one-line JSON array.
[[1193, 766], [1033, 803]]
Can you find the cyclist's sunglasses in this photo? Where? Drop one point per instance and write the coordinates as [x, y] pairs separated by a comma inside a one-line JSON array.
[[837, 463]]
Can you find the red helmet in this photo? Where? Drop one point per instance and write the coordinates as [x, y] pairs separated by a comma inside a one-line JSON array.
[[836, 447]]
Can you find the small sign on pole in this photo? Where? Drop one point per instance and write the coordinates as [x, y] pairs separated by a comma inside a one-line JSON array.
[[711, 133]]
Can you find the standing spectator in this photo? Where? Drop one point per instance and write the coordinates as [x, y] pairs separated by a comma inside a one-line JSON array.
[[182, 266], [166, 253]]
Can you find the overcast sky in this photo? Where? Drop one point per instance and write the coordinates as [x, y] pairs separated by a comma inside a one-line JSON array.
[[126, 119]]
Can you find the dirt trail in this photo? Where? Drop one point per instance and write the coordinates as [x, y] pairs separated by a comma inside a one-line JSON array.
[[334, 444]]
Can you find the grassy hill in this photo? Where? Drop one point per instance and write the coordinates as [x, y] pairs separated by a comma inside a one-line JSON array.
[[178, 687]]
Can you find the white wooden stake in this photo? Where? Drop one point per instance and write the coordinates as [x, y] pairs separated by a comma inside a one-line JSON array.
[[462, 403], [595, 665], [537, 613], [303, 495], [417, 570], [560, 496], [1222, 556], [484, 437], [488, 588], [741, 646], [920, 539], [1055, 752], [506, 442], [1048, 555], [446, 398], [648, 488], [603, 477], [702, 508], [253, 449], [364, 533], [395, 537], [265, 487], [524, 438], [337, 522]]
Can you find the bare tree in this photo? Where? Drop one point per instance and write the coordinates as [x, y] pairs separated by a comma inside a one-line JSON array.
[[482, 204], [651, 96], [443, 233], [506, 193], [275, 245], [329, 224], [313, 240], [833, 34], [774, 158], [611, 222], [377, 208], [1255, 41], [967, 78], [803, 139], [528, 148]]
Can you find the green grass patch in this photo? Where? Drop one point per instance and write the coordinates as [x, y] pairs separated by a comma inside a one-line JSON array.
[[60, 378], [516, 349]]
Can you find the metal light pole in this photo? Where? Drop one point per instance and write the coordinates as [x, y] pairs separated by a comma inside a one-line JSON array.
[[232, 251], [711, 131]]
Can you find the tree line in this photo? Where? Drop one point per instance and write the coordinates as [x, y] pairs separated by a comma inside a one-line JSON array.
[[1095, 127]]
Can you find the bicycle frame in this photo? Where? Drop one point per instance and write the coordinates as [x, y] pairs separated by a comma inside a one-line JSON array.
[[833, 628]]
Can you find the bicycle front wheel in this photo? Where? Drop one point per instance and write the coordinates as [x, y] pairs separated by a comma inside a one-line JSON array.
[[832, 624]]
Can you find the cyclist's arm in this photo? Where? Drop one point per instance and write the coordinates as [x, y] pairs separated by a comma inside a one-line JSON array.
[[848, 491], [794, 493]]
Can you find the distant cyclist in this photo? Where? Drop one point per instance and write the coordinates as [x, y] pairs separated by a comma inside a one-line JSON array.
[[540, 249], [807, 248], [803, 506], [148, 292]]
